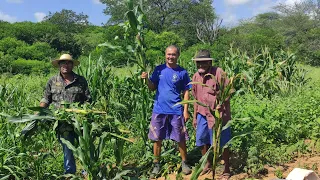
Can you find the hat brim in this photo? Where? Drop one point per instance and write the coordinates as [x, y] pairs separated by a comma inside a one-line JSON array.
[[55, 62], [202, 59]]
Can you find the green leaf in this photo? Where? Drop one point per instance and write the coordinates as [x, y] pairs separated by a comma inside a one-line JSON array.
[[129, 4], [29, 129], [68, 144], [55, 125], [41, 110], [121, 137], [198, 169], [122, 173], [27, 118], [132, 21]]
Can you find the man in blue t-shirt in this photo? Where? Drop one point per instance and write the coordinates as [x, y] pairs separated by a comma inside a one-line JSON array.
[[168, 121]]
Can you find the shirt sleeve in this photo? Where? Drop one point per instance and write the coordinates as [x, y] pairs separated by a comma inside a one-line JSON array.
[[47, 95], [87, 95], [194, 89], [155, 76], [87, 92], [186, 81]]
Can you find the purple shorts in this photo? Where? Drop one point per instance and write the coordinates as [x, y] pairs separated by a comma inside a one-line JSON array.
[[167, 126]]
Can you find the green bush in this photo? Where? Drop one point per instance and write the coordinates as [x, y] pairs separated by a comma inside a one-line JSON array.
[[163, 40], [38, 51], [5, 62], [9, 44], [23, 66]]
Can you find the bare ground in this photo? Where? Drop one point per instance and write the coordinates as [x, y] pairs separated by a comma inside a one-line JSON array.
[[311, 162]]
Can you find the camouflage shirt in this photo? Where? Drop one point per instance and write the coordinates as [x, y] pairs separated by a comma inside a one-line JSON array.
[[57, 91]]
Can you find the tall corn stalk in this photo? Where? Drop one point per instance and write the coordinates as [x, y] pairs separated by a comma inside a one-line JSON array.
[[136, 23], [226, 89]]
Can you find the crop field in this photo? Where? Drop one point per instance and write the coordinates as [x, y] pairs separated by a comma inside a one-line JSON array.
[[275, 114], [272, 61]]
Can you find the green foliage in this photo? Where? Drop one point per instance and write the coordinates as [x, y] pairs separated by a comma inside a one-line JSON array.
[[68, 21], [8, 45], [180, 17], [30, 66], [38, 51], [273, 136], [157, 43], [5, 62]]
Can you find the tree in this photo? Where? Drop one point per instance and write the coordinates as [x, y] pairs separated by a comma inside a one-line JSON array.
[[9, 44], [68, 20], [90, 39], [179, 16], [207, 32], [300, 25]]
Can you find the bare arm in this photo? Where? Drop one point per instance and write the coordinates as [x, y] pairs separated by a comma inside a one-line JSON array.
[[47, 96], [150, 85], [44, 105], [185, 109]]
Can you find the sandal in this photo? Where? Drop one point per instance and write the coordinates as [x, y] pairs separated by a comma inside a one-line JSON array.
[[207, 169], [225, 176]]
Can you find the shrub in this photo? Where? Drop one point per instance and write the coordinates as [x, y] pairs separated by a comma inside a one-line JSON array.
[[5, 62], [30, 66], [8, 45], [38, 51]]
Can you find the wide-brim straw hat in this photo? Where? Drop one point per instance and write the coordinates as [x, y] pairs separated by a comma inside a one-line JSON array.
[[65, 57], [203, 55]]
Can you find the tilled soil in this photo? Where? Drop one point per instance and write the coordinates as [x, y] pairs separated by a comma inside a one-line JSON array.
[[307, 162]]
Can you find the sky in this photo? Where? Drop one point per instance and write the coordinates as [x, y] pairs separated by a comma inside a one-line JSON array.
[[231, 11]]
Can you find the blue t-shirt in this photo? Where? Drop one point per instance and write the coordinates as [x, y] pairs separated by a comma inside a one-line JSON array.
[[170, 83]]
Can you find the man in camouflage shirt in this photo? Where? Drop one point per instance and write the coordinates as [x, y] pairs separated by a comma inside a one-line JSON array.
[[69, 87]]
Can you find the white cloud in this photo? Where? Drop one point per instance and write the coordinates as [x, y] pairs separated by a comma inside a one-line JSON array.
[[96, 2], [7, 17], [236, 2], [39, 16], [292, 2], [15, 1], [229, 19], [263, 7]]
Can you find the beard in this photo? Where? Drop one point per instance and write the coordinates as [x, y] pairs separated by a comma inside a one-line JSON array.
[[202, 71]]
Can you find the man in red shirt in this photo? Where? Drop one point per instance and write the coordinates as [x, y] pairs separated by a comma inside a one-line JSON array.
[[203, 120]]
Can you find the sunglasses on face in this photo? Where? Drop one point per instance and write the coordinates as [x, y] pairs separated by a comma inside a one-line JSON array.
[[65, 63], [203, 62]]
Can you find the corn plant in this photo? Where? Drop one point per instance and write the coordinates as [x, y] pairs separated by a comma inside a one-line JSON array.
[[224, 93], [137, 22], [8, 167], [97, 73], [93, 128], [264, 73]]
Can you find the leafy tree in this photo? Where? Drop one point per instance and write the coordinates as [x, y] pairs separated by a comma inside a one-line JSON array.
[[90, 39], [5, 62], [6, 29], [68, 20], [299, 24], [9, 44], [30, 32], [38, 51], [180, 17], [157, 44]]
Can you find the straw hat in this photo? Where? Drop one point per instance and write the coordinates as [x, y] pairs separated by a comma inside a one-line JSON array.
[[65, 57], [203, 55]]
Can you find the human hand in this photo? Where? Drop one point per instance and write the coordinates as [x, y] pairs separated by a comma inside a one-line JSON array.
[[194, 123], [144, 75], [218, 107], [186, 116]]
